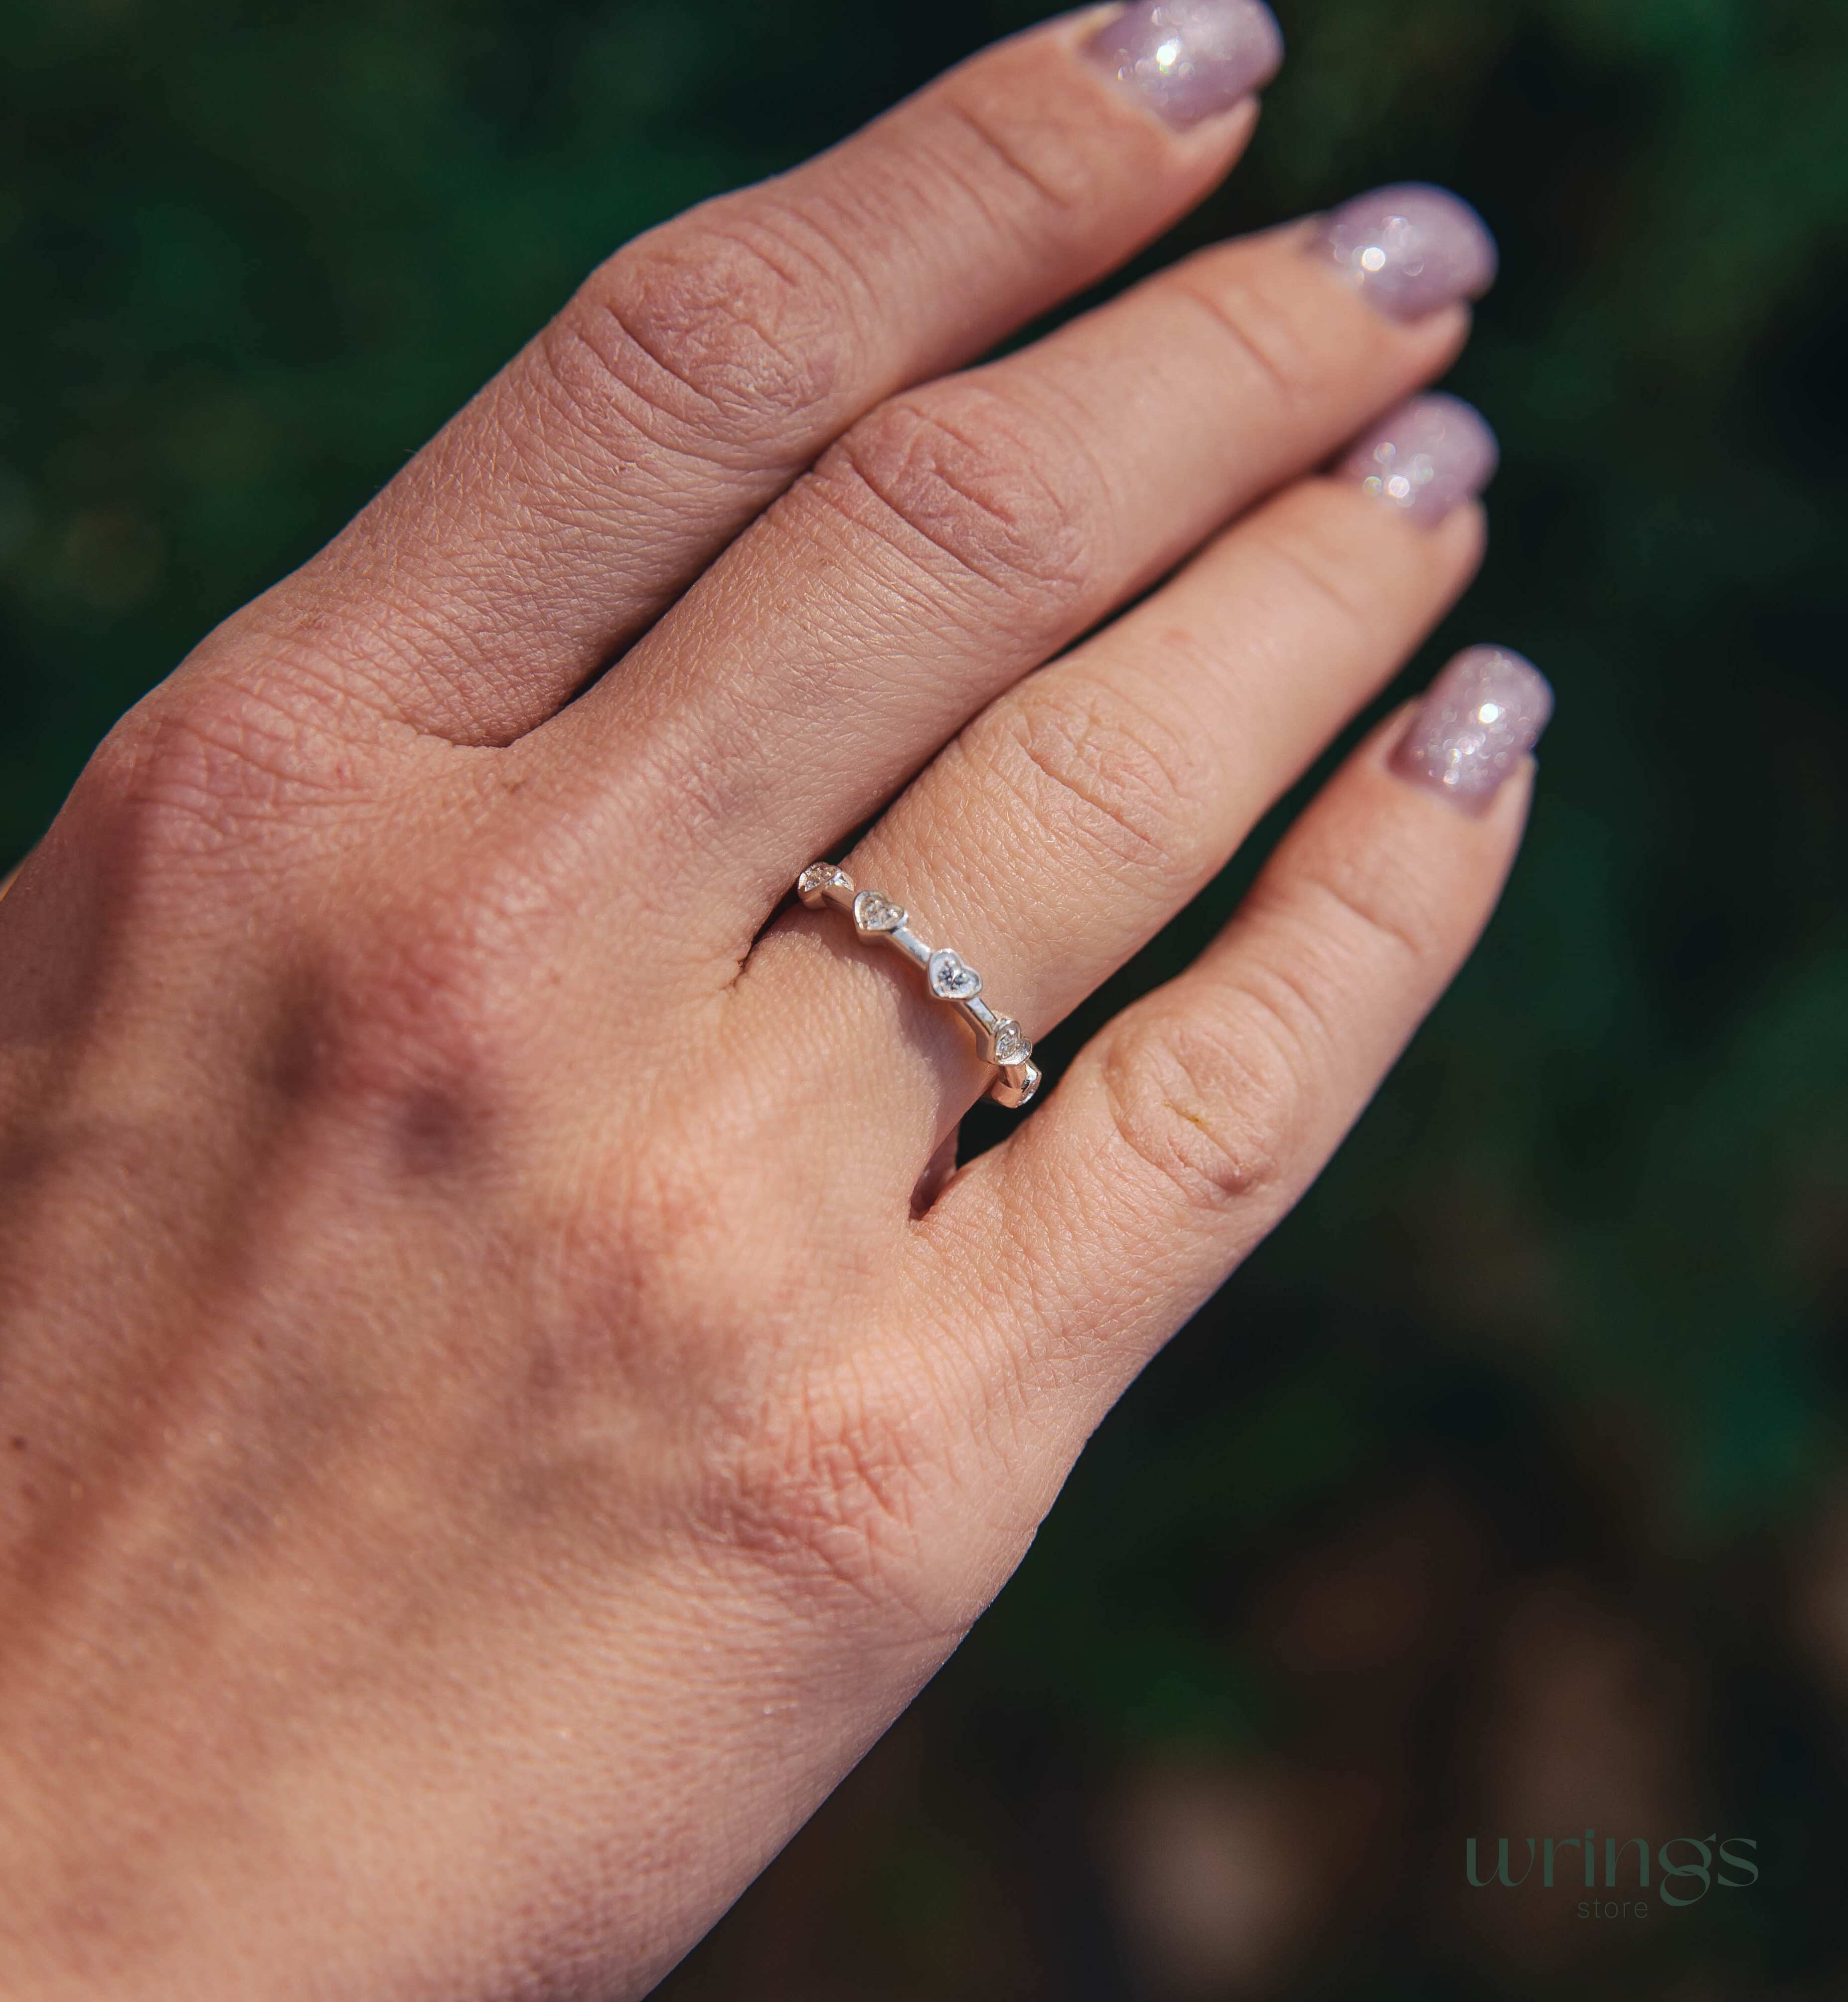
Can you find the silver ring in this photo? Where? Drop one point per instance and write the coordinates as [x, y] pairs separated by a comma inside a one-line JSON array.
[[878, 919]]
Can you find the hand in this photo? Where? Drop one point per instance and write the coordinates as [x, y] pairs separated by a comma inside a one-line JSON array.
[[503, 1398]]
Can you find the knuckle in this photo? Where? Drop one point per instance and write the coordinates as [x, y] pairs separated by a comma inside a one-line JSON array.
[[1111, 776], [718, 328], [205, 771], [1052, 157], [112, 774], [1287, 352], [1315, 553], [1213, 1105], [997, 494], [1353, 905]]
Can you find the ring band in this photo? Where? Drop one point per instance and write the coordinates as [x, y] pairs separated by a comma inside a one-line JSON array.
[[877, 918]]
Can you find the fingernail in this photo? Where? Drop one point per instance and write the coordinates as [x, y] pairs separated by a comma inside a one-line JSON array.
[[1410, 249], [1425, 458], [1478, 719], [1190, 59]]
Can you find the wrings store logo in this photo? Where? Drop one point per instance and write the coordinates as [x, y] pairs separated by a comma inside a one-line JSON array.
[[1686, 1866]]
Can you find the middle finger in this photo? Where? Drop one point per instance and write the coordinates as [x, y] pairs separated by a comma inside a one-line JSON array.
[[961, 534]]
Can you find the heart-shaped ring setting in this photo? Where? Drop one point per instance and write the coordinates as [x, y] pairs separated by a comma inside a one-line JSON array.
[[1011, 1045], [820, 877], [951, 978], [874, 913]]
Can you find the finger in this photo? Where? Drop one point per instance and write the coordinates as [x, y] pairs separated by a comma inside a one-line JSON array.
[[1070, 820], [704, 366], [962, 533], [1191, 1124]]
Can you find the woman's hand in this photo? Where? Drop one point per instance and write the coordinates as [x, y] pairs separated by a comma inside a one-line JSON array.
[[501, 1405]]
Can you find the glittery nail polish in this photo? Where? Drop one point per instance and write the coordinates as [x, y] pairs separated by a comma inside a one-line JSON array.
[[1410, 249], [1190, 59], [1425, 458], [1478, 719]]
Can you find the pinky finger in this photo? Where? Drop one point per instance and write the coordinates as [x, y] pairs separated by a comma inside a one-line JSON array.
[[1187, 1129]]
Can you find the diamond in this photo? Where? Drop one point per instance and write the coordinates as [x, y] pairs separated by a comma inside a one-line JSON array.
[[950, 978], [1011, 1047], [818, 877], [872, 912]]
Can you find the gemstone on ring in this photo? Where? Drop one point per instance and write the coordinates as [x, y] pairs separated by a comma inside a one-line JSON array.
[[820, 876], [873, 913], [1011, 1045], [951, 978]]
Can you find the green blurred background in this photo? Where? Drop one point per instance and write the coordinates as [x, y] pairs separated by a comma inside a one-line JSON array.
[[1504, 1492]]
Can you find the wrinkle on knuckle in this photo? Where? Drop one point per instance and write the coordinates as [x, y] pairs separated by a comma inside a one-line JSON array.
[[206, 771], [1213, 1106], [1323, 565], [967, 473], [719, 332], [1356, 906], [1053, 161], [1086, 759], [1282, 350]]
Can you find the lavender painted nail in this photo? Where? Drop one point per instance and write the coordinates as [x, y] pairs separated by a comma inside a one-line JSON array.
[[1478, 719], [1190, 59], [1425, 458], [1410, 249]]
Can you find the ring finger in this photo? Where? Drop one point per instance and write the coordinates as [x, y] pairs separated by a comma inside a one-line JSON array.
[[1078, 813]]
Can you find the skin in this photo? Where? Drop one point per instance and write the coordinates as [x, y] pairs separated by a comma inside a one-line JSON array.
[[503, 1399]]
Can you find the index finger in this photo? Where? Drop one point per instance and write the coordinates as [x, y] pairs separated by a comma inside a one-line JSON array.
[[704, 366]]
